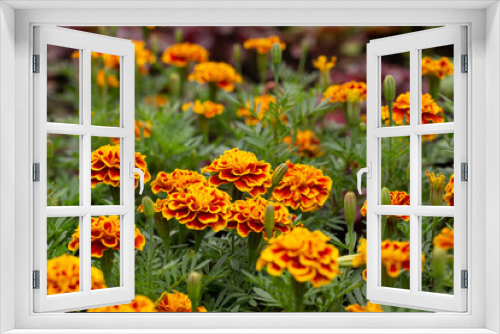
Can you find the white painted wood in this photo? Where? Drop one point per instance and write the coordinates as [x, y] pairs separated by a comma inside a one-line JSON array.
[[414, 43], [86, 43]]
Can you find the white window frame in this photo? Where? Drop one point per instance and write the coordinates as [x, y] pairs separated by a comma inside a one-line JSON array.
[[483, 20]]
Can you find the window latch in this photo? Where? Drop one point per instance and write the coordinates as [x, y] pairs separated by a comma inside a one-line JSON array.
[[368, 171], [133, 171]]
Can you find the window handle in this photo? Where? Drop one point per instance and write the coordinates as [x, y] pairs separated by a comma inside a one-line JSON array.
[[134, 170], [368, 171]]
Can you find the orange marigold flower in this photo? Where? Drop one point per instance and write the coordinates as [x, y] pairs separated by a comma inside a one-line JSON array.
[[176, 302], [157, 206], [110, 80], [305, 254], [105, 166], [143, 127], [182, 54], [199, 206], [263, 45], [248, 216], [63, 275], [222, 74], [104, 235], [445, 239], [307, 144], [208, 109], [439, 67], [431, 111], [159, 100], [359, 259], [321, 63], [139, 304], [396, 256], [397, 198], [176, 181], [368, 308], [243, 169], [143, 56], [261, 106], [345, 91], [449, 196], [303, 186]]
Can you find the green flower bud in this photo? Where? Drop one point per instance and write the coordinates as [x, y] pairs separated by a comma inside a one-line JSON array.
[[149, 210], [304, 47], [389, 88], [50, 151], [179, 36], [350, 207], [353, 111], [279, 173], [191, 253], [269, 220], [439, 258], [346, 261], [194, 286], [386, 196], [237, 53], [276, 53], [175, 81]]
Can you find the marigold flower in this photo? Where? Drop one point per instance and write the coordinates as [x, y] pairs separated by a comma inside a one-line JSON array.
[[144, 127], [396, 256], [176, 302], [431, 111], [437, 187], [359, 259], [176, 181], [321, 63], [307, 144], [222, 74], [397, 198], [159, 100], [110, 80], [242, 169], [105, 166], [143, 56], [368, 308], [248, 216], [439, 67], [157, 206], [63, 275], [199, 206], [104, 235], [306, 255], [445, 239], [208, 109], [449, 196], [345, 91], [261, 107], [303, 186], [139, 304], [182, 54], [263, 45]]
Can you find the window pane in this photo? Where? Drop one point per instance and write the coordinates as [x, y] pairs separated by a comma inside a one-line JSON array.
[[395, 162], [105, 89], [396, 97], [105, 171], [105, 251], [437, 247], [63, 167]]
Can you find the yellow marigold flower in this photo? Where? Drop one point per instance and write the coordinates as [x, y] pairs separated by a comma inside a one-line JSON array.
[[449, 196], [176, 302], [182, 54], [159, 100], [222, 74], [105, 234], [306, 255], [439, 67], [199, 207], [63, 275], [248, 216], [397, 198], [431, 111], [307, 144], [176, 181], [303, 186], [261, 104], [445, 239], [143, 56], [110, 80], [396, 256], [105, 166], [321, 63], [263, 45], [157, 206], [368, 308], [208, 109], [242, 169], [345, 91], [139, 304], [144, 127], [359, 259]]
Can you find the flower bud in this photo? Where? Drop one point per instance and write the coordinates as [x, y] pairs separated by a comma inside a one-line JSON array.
[[350, 207], [269, 221], [174, 83], [50, 151], [389, 88], [148, 205], [276, 53], [386, 196], [178, 35], [279, 173], [353, 111], [194, 286], [439, 257], [191, 253], [237, 53], [304, 47]]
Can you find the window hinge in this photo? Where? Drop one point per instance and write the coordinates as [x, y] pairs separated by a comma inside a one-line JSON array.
[[36, 172], [465, 279], [36, 63], [36, 279], [464, 171], [465, 64]]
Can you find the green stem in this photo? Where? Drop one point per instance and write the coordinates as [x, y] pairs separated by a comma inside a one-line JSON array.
[[204, 127], [107, 265], [435, 221], [298, 289], [182, 80], [212, 92], [115, 195], [198, 238], [253, 245], [384, 227], [262, 66], [392, 227], [150, 251], [352, 240], [163, 230], [434, 83]]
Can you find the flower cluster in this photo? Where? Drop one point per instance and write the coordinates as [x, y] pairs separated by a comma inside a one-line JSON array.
[[105, 234], [105, 166], [431, 111], [396, 256], [322, 64], [176, 181], [263, 45], [242, 169], [176, 302], [306, 255], [63, 275], [397, 198], [208, 109], [307, 144], [182, 54], [345, 92], [449, 196], [143, 57], [438, 68], [248, 216], [221, 74], [261, 106], [303, 186], [445, 239], [370, 307], [159, 100], [139, 304], [109, 80]]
